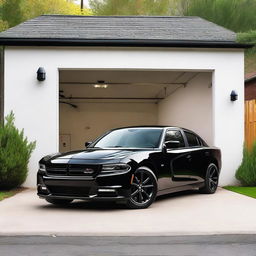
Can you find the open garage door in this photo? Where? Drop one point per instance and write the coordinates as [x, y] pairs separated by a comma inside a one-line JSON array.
[[94, 101]]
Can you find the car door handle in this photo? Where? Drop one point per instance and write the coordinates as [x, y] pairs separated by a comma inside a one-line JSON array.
[[188, 156]]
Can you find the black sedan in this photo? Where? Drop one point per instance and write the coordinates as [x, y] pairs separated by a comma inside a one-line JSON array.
[[132, 165]]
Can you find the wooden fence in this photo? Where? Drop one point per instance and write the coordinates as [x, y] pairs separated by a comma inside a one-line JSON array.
[[250, 122]]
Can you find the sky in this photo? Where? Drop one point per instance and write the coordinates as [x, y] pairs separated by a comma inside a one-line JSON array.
[[86, 2]]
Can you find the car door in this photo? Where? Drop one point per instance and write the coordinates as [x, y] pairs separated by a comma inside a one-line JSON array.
[[196, 156], [178, 158]]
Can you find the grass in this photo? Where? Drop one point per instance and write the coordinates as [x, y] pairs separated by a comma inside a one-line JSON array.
[[247, 191], [6, 194]]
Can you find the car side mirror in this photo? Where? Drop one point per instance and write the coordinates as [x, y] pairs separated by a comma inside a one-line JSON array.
[[172, 144], [87, 143]]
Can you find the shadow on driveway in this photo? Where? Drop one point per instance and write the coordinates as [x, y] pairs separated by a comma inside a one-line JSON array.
[[106, 206]]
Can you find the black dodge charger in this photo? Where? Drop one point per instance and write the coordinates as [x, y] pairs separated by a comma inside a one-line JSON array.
[[132, 165]]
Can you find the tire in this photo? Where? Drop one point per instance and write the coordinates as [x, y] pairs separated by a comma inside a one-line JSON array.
[[58, 201], [211, 180], [144, 189]]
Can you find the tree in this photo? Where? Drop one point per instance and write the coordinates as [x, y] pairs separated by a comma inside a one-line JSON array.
[[15, 152], [33, 8], [14, 12], [11, 12], [237, 15], [250, 54], [3, 25], [132, 7]]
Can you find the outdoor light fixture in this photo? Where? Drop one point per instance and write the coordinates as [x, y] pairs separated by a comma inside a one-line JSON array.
[[233, 96], [101, 84], [41, 75]]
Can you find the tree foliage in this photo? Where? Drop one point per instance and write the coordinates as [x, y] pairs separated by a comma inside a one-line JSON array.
[[11, 12], [133, 7], [15, 151], [246, 173], [250, 54], [14, 12], [237, 15]]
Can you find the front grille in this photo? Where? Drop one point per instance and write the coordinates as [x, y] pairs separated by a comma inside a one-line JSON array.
[[57, 169], [83, 170], [72, 169]]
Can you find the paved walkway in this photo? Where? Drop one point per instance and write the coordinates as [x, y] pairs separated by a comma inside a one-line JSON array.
[[181, 214]]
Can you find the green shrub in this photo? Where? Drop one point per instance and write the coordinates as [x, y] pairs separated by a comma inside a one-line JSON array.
[[15, 151], [246, 173]]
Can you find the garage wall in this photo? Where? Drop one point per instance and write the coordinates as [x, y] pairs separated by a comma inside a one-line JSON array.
[[90, 120], [36, 104], [190, 107]]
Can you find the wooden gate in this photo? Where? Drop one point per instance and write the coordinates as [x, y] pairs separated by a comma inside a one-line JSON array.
[[250, 122]]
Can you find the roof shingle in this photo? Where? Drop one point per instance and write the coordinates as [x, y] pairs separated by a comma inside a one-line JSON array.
[[120, 27]]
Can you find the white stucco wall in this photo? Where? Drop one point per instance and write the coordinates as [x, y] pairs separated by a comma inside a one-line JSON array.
[[190, 107], [91, 120], [36, 107]]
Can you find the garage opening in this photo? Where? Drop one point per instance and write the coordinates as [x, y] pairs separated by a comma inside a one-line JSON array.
[[93, 101]]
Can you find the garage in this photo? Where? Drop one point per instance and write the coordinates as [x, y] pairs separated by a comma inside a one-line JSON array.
[[68, 79], [94, 101]]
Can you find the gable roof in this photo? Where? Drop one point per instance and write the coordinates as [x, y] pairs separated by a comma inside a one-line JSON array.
[[119, 30]]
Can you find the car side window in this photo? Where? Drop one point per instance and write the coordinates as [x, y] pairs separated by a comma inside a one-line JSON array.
[[173, 135], [203, 143], [192, 139]]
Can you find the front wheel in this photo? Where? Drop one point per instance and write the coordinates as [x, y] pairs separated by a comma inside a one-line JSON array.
[[58, 201], [211, 180], [143, 190]]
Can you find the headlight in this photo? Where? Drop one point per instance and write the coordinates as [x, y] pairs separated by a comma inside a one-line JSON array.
[[42, 168], [115, 168]]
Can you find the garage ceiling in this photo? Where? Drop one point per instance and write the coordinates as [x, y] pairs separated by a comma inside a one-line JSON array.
[[78, 85]]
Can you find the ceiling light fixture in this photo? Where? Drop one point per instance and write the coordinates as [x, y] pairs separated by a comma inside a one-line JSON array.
[[101, 84]]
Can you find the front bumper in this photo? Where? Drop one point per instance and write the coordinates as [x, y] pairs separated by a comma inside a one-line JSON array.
[[108, 188]]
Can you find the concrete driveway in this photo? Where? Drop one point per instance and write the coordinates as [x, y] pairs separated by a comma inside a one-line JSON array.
[[192, 214]]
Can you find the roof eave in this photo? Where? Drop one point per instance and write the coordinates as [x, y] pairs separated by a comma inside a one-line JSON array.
[[120, 43], [250, 79]]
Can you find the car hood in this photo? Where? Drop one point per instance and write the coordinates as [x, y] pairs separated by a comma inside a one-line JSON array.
[[90, 155]]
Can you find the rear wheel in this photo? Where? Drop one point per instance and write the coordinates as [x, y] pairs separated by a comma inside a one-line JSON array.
[[143, 190], [58, 201], [211, 180]]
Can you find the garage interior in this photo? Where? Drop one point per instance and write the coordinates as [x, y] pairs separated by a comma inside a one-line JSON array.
[[93, 101]]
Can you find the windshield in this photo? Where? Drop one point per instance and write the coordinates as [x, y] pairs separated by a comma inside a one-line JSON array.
[[131, 138]]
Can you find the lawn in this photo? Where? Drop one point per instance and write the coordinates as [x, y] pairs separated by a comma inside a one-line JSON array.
[[6, 194], [247, 191]]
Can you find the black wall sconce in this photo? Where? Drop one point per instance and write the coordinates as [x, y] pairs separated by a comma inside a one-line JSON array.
[[233, 96], [41, 75]]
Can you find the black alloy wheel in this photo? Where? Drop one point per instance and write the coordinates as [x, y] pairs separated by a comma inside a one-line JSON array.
[[211, 179], [58, 201], [143, 189]]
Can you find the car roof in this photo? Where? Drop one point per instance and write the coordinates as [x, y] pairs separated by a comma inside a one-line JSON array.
[[155, 126], [150, 126]]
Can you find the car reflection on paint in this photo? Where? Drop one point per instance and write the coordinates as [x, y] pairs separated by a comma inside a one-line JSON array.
[[133, 165]]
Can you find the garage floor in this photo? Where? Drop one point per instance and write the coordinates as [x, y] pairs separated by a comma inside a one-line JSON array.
[[222, 213]]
